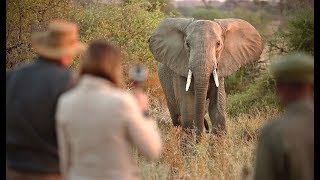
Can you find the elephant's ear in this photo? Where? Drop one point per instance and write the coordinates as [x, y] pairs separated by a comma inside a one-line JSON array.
[[242, 44], [167, 44]]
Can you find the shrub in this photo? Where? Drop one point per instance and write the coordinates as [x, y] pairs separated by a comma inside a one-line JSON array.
[[25, 16], [236, 82], [128, 25], [298, 35], [259, 96], [208, 14], [259, 19]]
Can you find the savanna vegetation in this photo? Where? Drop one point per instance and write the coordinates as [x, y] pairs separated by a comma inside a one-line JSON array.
[[251, 101]]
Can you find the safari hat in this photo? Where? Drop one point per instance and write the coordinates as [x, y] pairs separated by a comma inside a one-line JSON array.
[[293, 68], [60, 39]]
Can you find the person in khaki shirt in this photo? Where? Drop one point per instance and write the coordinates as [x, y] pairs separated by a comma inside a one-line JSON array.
[[98, 123], [286, 145]]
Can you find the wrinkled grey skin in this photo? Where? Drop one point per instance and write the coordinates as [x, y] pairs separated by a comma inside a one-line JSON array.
[[183, 44]]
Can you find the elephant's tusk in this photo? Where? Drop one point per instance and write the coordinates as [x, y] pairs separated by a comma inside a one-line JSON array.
[[188, 80], [215, 77]]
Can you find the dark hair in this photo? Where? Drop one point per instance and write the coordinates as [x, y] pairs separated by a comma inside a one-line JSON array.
[[103, 59]]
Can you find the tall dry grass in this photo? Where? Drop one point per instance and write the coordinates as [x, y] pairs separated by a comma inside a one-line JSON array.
[[230, 157], [226, 158]]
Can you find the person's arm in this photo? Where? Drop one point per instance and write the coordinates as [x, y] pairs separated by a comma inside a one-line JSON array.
[[143, 131], [64, 149]]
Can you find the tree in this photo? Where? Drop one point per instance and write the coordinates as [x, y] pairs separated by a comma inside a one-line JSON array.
[[26, 16], [297, 36], [291, 6], [165, 6]]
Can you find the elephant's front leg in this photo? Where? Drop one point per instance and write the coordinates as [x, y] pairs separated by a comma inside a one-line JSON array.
[[217, 107], [167, 80]]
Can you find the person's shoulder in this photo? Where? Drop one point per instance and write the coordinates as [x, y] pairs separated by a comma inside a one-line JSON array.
[[21, 67]]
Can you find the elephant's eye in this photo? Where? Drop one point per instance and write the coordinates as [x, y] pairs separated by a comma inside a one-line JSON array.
[[218, 44]]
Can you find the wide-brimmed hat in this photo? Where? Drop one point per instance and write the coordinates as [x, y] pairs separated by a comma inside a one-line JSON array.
[[61, 39]]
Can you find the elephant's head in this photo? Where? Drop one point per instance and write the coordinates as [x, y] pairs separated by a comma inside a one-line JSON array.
[[202, 48]]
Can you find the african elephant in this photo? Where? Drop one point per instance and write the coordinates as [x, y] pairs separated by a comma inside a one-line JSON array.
[[194, 57]]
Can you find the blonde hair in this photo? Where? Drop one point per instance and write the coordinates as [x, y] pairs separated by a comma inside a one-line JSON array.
[[103, 59]]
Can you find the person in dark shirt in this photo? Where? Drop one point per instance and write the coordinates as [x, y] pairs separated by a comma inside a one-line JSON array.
[[286, 145], [32, 91]]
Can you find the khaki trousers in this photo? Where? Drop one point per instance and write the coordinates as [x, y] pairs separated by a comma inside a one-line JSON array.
[[12, 174]]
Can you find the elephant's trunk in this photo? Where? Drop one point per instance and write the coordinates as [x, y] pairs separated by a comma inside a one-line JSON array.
[[203, 65], [201, 84]]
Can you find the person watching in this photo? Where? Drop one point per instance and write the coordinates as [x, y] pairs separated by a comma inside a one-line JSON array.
[[32, 91], [286, 145], [98, 122]]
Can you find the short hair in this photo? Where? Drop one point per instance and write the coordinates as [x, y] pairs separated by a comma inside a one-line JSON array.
[[103, 59]]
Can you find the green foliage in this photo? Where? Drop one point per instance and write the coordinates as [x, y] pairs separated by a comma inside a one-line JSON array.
[[288, 7], [128, 25], [165, 6], [236, 82], [209, 14], [259, 19], [300, 33], [297, 36], [259, 96], [25, 16]]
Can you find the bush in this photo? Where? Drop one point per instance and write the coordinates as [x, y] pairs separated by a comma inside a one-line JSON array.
[[128, 25], [236, 82], [259, 96], [298, 35], [26, 16], [208, 14], [259, 19]]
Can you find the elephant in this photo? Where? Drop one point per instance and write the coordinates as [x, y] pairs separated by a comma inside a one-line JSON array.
[[193, 58]]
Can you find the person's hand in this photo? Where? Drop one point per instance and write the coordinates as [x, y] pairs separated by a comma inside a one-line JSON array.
[[142, 99]]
